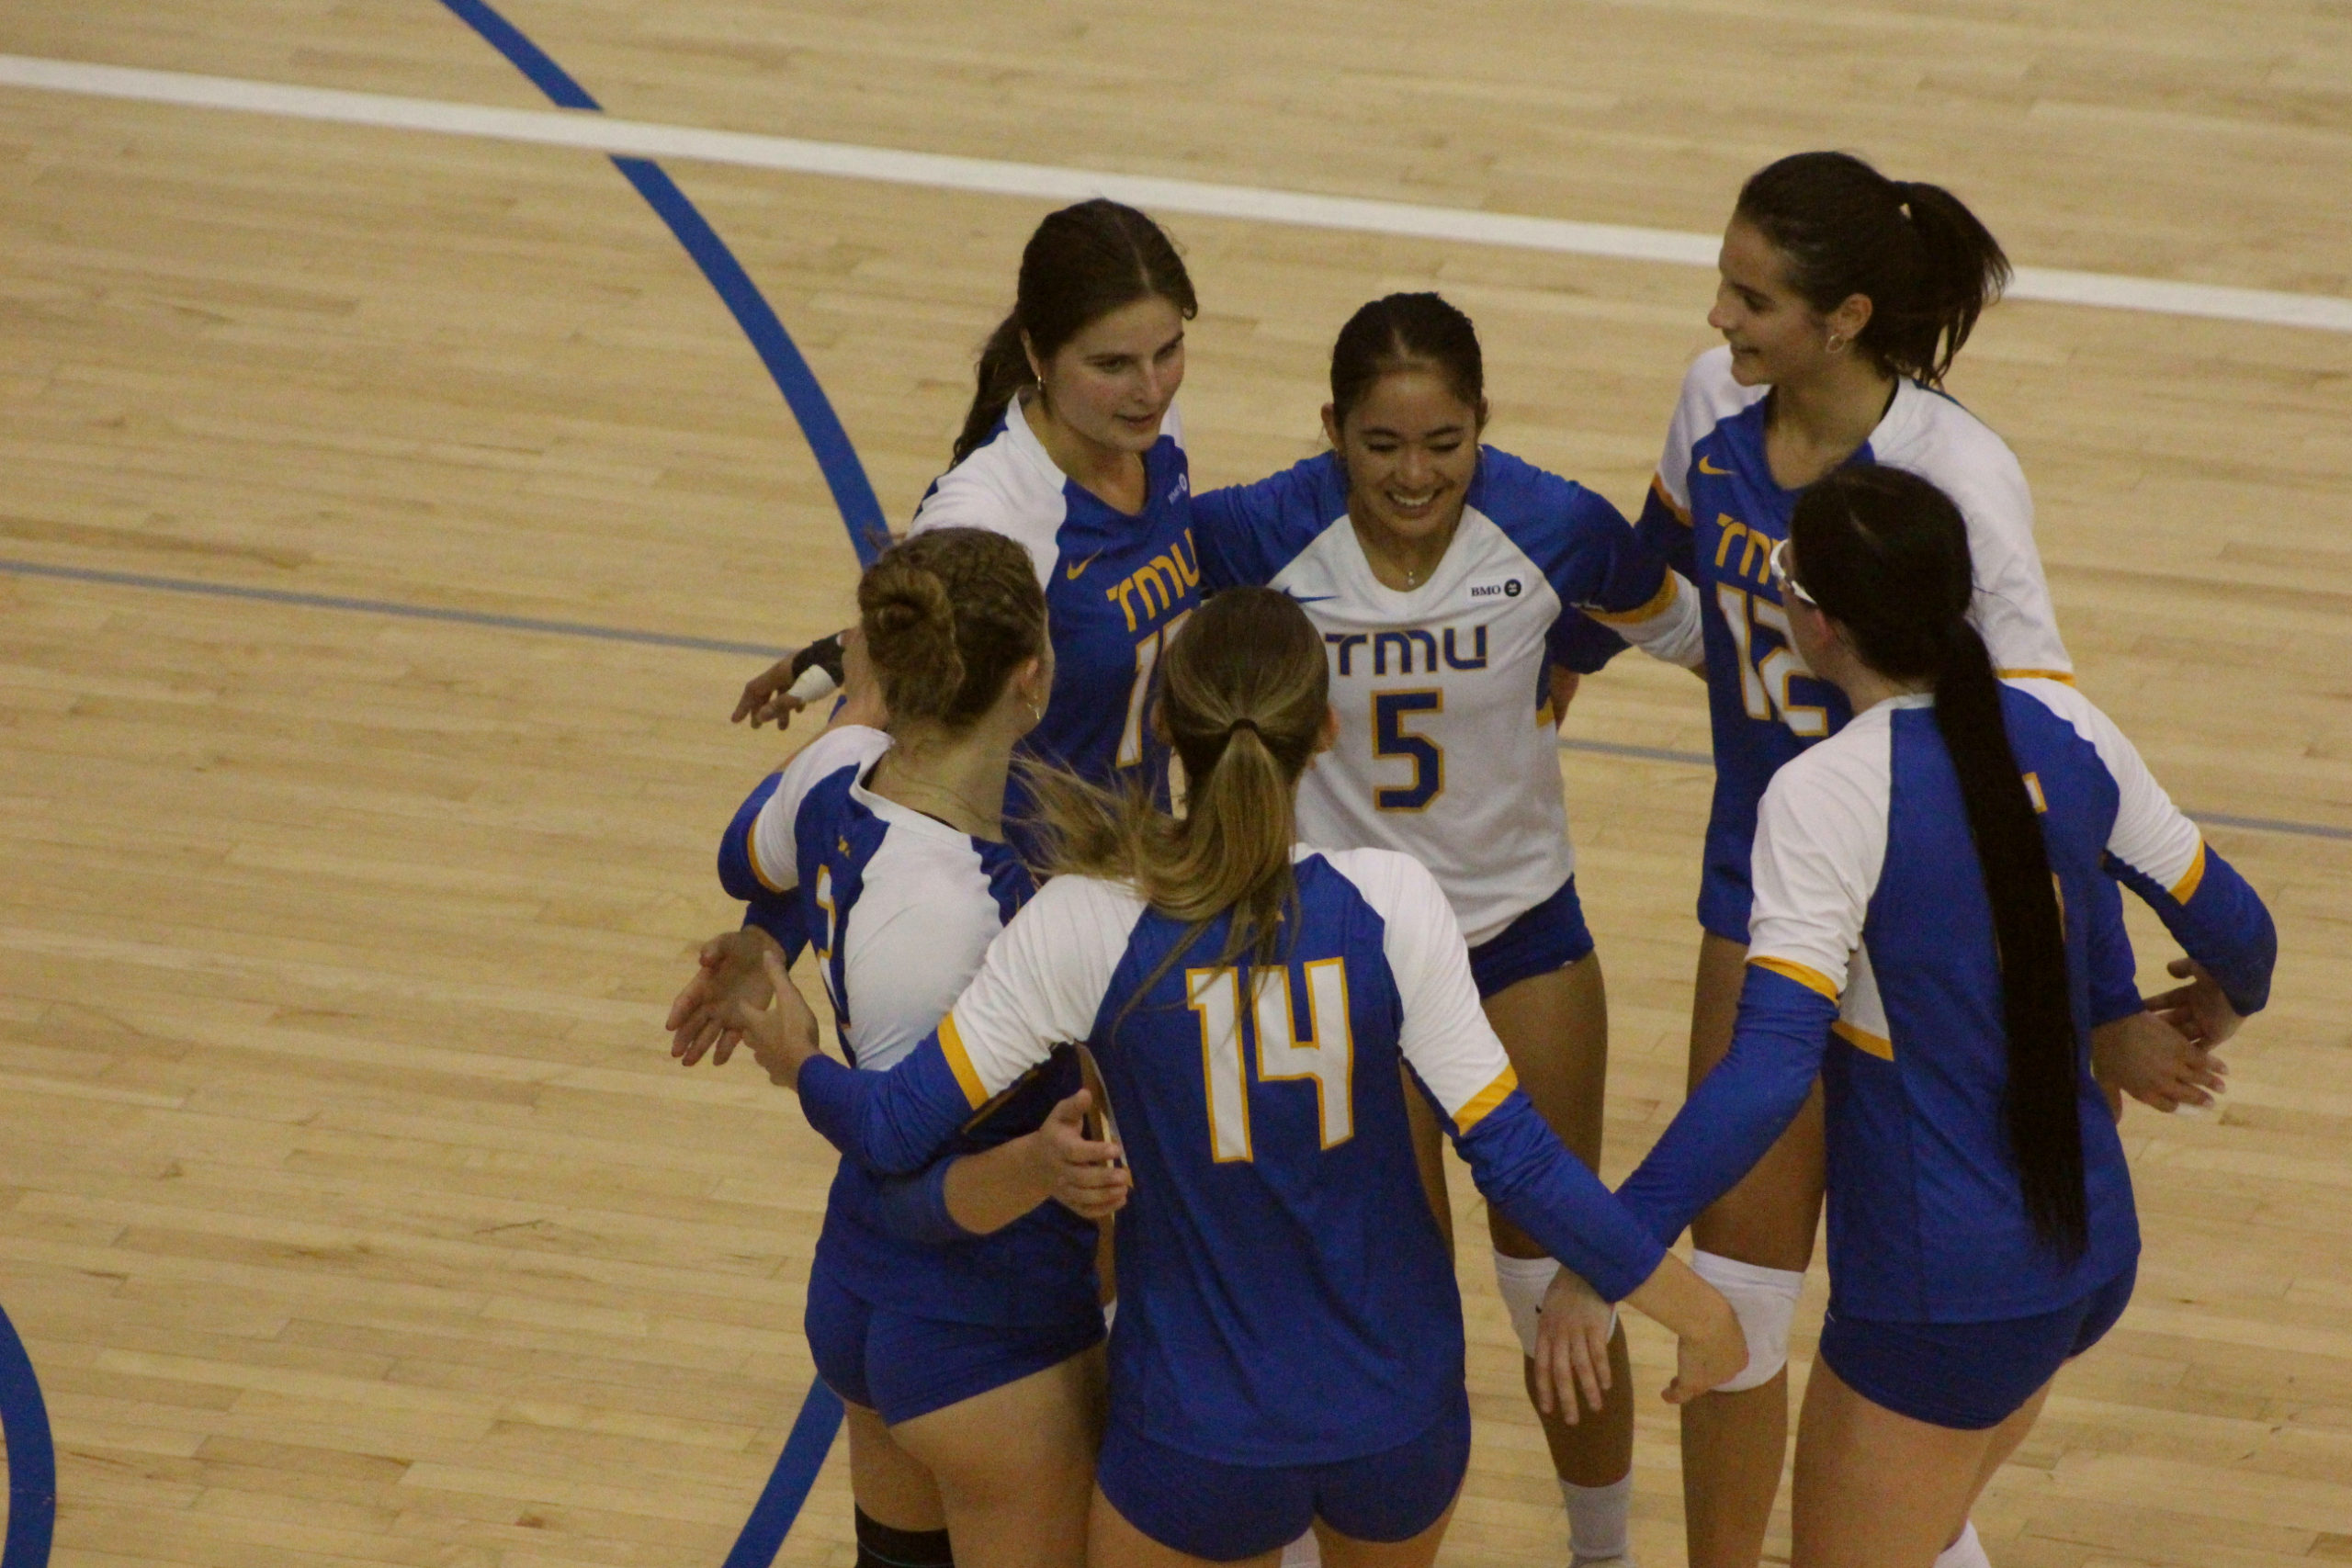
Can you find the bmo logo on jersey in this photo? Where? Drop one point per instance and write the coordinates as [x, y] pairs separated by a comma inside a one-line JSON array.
[[1495, 593]]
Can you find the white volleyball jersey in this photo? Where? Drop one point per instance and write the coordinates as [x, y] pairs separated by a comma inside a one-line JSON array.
[[900, 905], [1447, 750]]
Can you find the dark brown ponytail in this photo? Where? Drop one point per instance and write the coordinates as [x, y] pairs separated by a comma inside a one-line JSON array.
[[1886, 554], [1926, 266], [948, 616], [1083, 263], [1400, 332]]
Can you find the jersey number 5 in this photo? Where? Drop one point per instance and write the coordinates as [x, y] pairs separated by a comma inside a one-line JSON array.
[[1391, 738], [1327, 1055], [1764, 682], [1147, 653]]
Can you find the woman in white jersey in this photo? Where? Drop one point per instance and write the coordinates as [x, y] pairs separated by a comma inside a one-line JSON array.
[[955, 1316], [1072, 447], [1844, 297], [1439, 575], [1289, 1344]]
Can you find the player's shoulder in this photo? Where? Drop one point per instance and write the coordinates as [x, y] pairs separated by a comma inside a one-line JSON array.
[[841, 753], [2038, 703], [1262, 527], [1851, 770], [1532, 505], [1008, 485], [1088, 911], [1930, 433], [1710, 394], [1391, 880]]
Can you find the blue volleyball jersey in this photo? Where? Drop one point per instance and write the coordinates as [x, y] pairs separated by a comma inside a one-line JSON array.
[[899, 908], [1116, 587], [1715, 512], [1872, 963], [1285, 1296], [1446, 748]]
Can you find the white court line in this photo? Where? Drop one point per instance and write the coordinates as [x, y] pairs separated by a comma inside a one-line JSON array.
[[602, 133]]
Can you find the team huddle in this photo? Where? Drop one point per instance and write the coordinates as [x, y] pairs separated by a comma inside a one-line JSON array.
[[1182, 868]]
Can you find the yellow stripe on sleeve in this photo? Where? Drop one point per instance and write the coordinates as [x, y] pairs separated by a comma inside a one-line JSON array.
[[1660, 603], [1811, 979], [1681, 512], [959, 1062], [1482, 1105], [752, 849], [2065, 675], [1862, 1040], [2185, 888]]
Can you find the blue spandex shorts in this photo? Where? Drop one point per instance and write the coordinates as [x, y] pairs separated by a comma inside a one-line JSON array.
[[904, 1367], [1226, 1511], [1967, 1375], [1726, 896], [1550, 936]]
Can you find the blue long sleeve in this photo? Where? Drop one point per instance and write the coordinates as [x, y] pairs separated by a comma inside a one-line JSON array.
[[1522, 1169], [735, 871], [1746, 1103], [893, 1123], [914, 1208], [2114, 973], [2222, 924]]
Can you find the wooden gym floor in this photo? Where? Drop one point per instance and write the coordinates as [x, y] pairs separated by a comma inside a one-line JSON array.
[[350, 1209]]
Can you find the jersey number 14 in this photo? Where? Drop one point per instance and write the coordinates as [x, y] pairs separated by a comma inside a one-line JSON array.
[[1326, 1056]]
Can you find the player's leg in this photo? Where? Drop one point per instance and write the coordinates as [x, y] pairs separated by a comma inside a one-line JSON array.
[[1875, 1489], [899, 1519], [1754, 1244], [1554, 1025], [1014, 1463]]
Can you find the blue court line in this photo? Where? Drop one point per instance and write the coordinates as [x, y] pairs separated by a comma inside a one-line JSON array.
[[32, 1456], [820, 1412], [836, 459]]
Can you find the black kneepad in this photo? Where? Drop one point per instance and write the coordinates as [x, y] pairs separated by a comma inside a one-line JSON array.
[[879, 1546]]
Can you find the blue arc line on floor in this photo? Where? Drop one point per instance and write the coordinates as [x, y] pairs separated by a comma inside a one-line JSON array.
[[836, 458], [820, 1414], [32, 1456]]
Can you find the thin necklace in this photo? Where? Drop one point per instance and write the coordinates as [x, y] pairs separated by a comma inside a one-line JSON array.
[[899, 783]]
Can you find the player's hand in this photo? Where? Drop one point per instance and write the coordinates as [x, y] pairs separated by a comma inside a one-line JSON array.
[[783, 1036], [726, 970], [2146, 1056], [2200, 1009], [1087, 1177], [1715, 1354], [1573, 1328], [768, 695]]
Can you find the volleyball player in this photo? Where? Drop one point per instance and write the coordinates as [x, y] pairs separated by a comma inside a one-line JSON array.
[[1933, 930], [1072, 447], [966, 1361], [1439, 574], [1844, 298], [1289, 1344]]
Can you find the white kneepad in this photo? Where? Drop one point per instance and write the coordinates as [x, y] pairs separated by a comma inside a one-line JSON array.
[[1522, 1281], [1764, 1300]]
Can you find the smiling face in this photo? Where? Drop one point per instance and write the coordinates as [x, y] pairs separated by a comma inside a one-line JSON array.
[[1112, 383], [1776, 335], [1410, 445]]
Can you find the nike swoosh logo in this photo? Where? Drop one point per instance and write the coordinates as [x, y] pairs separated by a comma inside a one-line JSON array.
[[1707, 467], [1072, 572]]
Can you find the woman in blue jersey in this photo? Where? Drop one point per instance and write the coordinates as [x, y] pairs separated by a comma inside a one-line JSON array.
[[1844, 297], [967, 1361], [1439, 574], [1935, 929], [1072, 447], [1289, 1342]]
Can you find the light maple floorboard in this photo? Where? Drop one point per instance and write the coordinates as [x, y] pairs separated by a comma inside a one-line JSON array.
[[349, 1207]]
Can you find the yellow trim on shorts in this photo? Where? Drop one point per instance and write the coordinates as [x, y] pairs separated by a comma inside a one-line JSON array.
[[2185, 888], [1482, 1105], [1864, 1041], [1660, 601], [1811, 979], [959, 1062]]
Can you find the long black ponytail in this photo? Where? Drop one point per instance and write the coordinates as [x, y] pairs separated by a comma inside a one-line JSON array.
[[1885, 553], [1926, 263], [1083, 263]]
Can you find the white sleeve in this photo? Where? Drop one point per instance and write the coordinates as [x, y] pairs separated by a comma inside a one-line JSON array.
[[2151, 834], [1820, 847], [913, 942], [1668, 627], [2011, 608], [982, 491], [773, 855], [1042, 983], [1446, 1038]]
